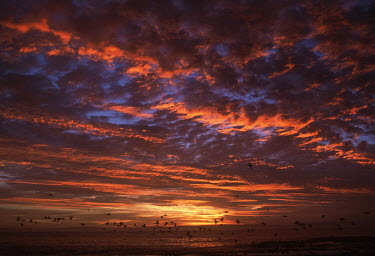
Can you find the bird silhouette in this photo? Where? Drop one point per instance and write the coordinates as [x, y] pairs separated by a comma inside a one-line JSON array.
[[216, 221], [222, 219], [238, 221], [251, 166]]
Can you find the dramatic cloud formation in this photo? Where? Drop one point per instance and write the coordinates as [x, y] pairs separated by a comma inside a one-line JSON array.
[[145, 108]]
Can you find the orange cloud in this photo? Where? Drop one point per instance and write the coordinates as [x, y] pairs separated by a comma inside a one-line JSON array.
[[142, 69], [40, 25], [76, 125], [251, 187], [349, 154], [137, 112], [74, 203], [210, 116], [364, 191]]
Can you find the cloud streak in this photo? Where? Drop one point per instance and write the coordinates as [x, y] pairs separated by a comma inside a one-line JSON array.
[[142, 108]]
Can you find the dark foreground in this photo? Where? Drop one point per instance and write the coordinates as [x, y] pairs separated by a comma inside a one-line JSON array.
[[62, 244]]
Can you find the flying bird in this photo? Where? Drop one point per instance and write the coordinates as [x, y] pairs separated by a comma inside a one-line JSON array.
[[251, 166]]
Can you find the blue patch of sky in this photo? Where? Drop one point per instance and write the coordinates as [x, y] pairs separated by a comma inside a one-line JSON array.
[[120, 120], [106, 86], [319, 54], [36, 69], [106, 113], [113, 117], [324, 142], [311, 44], [269, 54], [369, 138], [222, 49], [250, 97], [118, 100], [308, 43], [194, 74], [262, 133], [124, 80], [74, 132]]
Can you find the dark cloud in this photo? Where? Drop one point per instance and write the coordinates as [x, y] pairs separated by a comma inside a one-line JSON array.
[[142, 104]]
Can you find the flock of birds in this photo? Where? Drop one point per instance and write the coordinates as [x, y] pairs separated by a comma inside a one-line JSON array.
[[161, 225]]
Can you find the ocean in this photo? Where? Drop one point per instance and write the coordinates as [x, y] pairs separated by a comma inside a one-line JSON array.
[[188, 241]]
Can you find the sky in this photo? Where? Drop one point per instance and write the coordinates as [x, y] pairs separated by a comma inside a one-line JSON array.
[[145, 108]]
